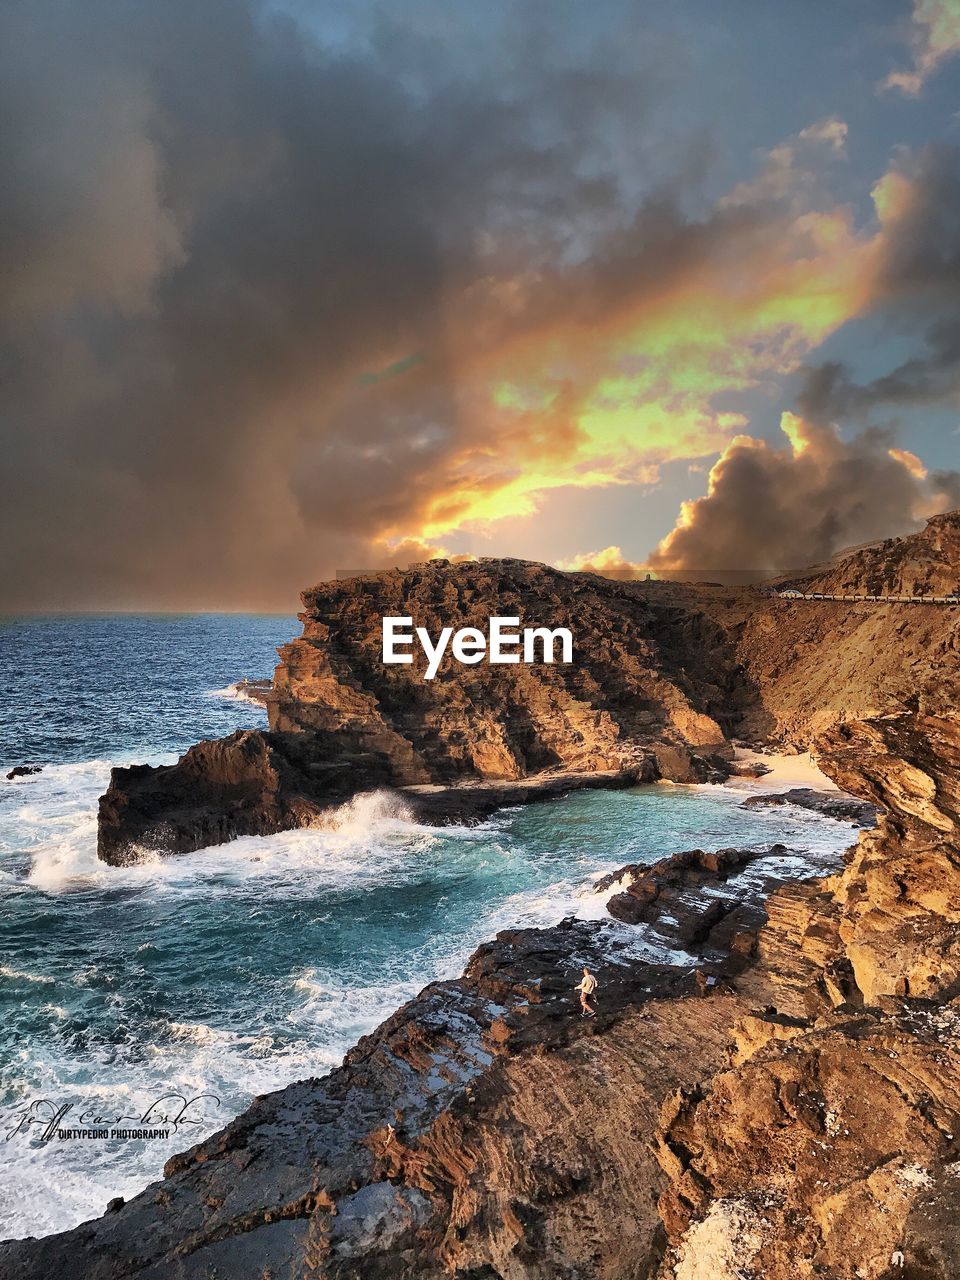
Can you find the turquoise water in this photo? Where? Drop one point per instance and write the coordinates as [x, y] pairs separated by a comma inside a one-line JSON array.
[[235, 970]]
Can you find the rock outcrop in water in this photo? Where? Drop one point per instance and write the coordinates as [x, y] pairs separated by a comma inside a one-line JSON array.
[[829, 803], [651, 693], [664, 676]]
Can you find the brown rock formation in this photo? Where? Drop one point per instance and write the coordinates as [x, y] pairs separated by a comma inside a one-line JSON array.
[[925, 563], [663, 676], [831, 1146], [798, 1116], [640, 699]]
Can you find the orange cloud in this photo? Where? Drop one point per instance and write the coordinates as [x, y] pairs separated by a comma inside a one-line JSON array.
[[610, 560], [598, 373]]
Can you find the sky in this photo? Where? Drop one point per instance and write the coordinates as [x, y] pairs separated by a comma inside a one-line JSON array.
[[292, 288]]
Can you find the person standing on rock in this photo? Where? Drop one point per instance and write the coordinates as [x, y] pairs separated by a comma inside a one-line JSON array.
[[586, 986]]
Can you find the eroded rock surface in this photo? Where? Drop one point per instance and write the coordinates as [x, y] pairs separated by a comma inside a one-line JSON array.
[[831, 1144], [415, 1158], [798, 1116]]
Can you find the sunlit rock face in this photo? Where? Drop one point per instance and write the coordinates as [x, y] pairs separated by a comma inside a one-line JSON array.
[[652, 691], [624, 690]]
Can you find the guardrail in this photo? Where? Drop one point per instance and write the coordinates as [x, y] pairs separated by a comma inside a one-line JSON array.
[[817, 595]]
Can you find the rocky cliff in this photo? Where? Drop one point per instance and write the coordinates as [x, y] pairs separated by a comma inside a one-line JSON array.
[[663, 677], [783, 1101], [925, 563], [653, 691], [830, 1144]]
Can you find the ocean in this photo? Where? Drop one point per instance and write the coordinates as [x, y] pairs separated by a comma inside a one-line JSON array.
[[233, 971]]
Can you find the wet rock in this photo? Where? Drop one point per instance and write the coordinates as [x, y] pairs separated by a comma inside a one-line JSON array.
[[255, 690], [842, 807], [804, 1124], [250, 783], [23, 771], [697, 902], [478, 1131]]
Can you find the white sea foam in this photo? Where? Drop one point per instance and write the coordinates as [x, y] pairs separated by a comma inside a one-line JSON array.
[[298, 1025], [234, 693], [21, 975]]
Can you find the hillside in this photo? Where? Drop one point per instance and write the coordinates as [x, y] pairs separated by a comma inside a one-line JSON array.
[[924, 563]]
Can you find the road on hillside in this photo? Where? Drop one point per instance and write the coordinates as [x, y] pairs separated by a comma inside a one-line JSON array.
[[817, 595]]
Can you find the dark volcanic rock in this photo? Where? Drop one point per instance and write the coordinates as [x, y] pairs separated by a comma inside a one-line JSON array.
[[696, 901], [470, 801], [664, 676], [842, 807], [251, 783], [23, 771]]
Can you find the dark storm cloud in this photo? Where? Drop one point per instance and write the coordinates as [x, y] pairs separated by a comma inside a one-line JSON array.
[[784, 508], [212, 228], [918, 288]]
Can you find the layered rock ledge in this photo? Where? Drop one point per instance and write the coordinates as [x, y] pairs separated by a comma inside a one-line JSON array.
[[783, 1106]]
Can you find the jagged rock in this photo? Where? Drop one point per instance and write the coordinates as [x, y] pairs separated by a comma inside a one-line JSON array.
[[826, 1152], [664, 676], [832, 1144], [250, 783], [483, 1129], [255, 690], [23, 771], [842, 807], [923, 564], [696, 901]]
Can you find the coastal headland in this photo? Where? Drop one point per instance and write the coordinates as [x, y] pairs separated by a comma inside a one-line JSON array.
[[785, 1103]]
